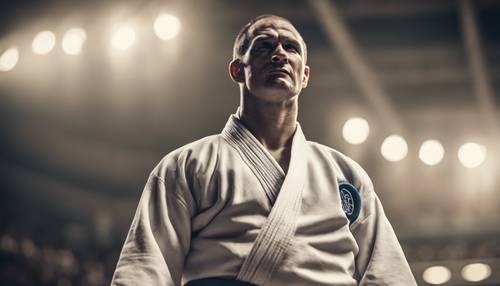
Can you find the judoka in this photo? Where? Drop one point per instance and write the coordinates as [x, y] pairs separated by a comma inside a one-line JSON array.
[[258, 204]]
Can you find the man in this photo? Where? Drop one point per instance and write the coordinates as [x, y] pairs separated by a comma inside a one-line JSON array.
[[258, 204]]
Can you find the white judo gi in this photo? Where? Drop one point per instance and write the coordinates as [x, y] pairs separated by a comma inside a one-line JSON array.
[[223, 207]]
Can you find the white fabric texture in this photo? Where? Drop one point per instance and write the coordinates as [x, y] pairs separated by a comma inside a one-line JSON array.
[[276, 234], [206, 203]]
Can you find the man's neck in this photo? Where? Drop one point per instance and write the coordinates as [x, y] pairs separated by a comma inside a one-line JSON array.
[[272, 124]]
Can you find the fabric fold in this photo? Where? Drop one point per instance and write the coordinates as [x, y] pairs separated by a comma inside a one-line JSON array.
[[285, 192], [264, 167]]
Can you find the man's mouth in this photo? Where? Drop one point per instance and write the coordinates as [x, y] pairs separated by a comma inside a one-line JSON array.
[[282, 72]]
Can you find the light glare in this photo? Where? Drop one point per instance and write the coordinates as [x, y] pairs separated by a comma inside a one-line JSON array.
[[73, 41], [394, 148], [123, 38], [167, 26], [471, 154], [9, 59], [431, 152], [476, 272], [44, 42], [356, 130], [436, 275]]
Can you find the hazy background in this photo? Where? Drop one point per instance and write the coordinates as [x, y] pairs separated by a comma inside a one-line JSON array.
[[80, 134]]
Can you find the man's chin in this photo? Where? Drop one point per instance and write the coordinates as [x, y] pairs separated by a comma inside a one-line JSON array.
[[277, 93], [279, 84]]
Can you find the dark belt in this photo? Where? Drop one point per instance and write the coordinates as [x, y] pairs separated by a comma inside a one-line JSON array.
[[218, 282]]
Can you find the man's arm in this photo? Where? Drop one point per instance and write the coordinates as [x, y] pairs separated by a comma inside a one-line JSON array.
[[159, 237], [380, 260]]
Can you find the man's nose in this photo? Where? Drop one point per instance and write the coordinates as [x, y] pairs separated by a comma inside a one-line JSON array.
[[279, 55]]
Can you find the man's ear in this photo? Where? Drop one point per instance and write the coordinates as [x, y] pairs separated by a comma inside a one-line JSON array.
[[305, 77], [236, 71]]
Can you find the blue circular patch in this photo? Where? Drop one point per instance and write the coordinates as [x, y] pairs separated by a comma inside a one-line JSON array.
[[351, 201]]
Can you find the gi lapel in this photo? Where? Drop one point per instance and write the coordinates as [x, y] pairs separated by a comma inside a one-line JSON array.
[[264, 167], [277, 232]]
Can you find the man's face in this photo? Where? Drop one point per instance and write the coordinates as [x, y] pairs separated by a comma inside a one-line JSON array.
[[274, 64]]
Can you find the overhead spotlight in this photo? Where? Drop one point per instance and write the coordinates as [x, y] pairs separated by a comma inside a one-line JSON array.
[[167, 26], [471, 154], [123, 38], [431, 152], [476, 272], [73, 41], [356, 130], [9, 58], [43, 42], [436, 275], [394, 148]]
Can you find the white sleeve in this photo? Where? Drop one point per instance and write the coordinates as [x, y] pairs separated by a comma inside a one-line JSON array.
[[380, 260], [159, 237]]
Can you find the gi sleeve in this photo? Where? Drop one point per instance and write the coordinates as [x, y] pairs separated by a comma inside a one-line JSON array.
[[159, 237], [380, 260]]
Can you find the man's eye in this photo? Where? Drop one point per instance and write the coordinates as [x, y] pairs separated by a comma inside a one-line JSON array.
[[291, 47], [264, 46]]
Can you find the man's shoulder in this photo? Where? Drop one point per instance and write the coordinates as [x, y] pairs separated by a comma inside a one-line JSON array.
[[199, 151], [200, 145], [352, 170], [333, 153]]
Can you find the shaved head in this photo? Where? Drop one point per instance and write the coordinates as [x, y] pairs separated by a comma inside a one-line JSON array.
[[245, 35]]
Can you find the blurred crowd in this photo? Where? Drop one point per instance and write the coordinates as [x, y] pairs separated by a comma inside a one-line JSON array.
[[25, 261]]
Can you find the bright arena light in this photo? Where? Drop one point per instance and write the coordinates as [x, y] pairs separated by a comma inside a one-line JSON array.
[[43, 42], [394, 148], [73, 41], [471, 154], [476, 272], [9, 59], [436, 275], [123, 38], [356, 130], [167, 26], [431, 152]]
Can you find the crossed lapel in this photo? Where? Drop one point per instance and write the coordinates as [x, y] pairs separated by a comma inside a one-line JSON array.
[[284, 192]]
